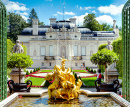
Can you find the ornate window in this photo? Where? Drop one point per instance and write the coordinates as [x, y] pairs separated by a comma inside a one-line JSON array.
[[50, 50], [83, 51], [43, 51], [75, 50]]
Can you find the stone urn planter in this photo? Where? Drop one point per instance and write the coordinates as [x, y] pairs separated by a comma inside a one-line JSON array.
[[16, 87]]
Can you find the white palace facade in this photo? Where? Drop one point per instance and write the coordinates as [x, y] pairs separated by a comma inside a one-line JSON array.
[[45, 44]]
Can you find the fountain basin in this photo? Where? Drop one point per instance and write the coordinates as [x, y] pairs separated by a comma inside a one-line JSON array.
[[105, 96]]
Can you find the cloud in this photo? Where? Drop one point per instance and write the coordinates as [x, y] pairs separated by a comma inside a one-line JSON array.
[[94, 11], [55, 14], [14, 6], [112, 9], [105, 19], [86, 8], [80, 8], [59, 13], [80, 19], [69, 13], [24, 17], [66, 13]]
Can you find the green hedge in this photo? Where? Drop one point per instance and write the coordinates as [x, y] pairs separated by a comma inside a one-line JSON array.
[[102, 46], [117, 48]]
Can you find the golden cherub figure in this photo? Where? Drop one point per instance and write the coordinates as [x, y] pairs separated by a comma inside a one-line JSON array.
[[63, 63], [64, 86]]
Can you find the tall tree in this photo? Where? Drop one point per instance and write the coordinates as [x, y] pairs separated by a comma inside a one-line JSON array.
[[106, 27], [15, 25], [91, 22], [33, 15]]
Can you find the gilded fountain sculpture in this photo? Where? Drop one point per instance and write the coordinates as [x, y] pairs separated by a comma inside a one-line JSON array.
[[64, 85]]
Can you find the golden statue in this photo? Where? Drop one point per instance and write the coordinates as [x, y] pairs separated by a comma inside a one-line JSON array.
[[64, 86]]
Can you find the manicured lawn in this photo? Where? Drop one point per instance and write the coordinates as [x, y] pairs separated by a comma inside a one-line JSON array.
[[79, 71], [36, 81], [46, 70], [89, 81]]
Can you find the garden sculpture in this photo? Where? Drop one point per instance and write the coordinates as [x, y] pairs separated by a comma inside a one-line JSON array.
[[109, 46], [64, 85], [18, 48]]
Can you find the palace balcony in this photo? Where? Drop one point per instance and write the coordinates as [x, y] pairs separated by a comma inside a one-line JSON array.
[[49, 58], [77, 58]]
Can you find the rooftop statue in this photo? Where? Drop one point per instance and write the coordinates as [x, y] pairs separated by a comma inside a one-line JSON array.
[[17, 47], [64, 85]]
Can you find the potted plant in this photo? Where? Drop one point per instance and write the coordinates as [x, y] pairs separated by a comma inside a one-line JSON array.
[[104, 57], [19, 61]]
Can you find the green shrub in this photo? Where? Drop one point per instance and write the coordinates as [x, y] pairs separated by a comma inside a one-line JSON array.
[[46, 83], [102, 46], [80, 78], [71, 70], [102, 75], [86, 68], [39, 68], [89, 69], [76, 77], [34, 70], [31, 71], [94, 71], [117, 48], [27, 72]]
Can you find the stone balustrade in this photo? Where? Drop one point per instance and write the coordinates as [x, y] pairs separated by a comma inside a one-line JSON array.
[[77, 58], [49, 58]]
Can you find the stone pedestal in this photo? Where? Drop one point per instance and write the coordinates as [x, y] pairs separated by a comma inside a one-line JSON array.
[[112, 74], [14, 75]]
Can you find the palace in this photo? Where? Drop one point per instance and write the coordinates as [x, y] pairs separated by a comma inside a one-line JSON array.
[[45, 44]]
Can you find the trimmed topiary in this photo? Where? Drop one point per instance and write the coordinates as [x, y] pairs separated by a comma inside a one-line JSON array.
[[94, 71], [27, 72], [47, 83], [31, 71], [91, 70], [34, 70]]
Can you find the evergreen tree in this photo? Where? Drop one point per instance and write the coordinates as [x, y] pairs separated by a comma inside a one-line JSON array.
[[33, 15]]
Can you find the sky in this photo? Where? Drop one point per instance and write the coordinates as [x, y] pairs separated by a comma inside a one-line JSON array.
[[105, 10]]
